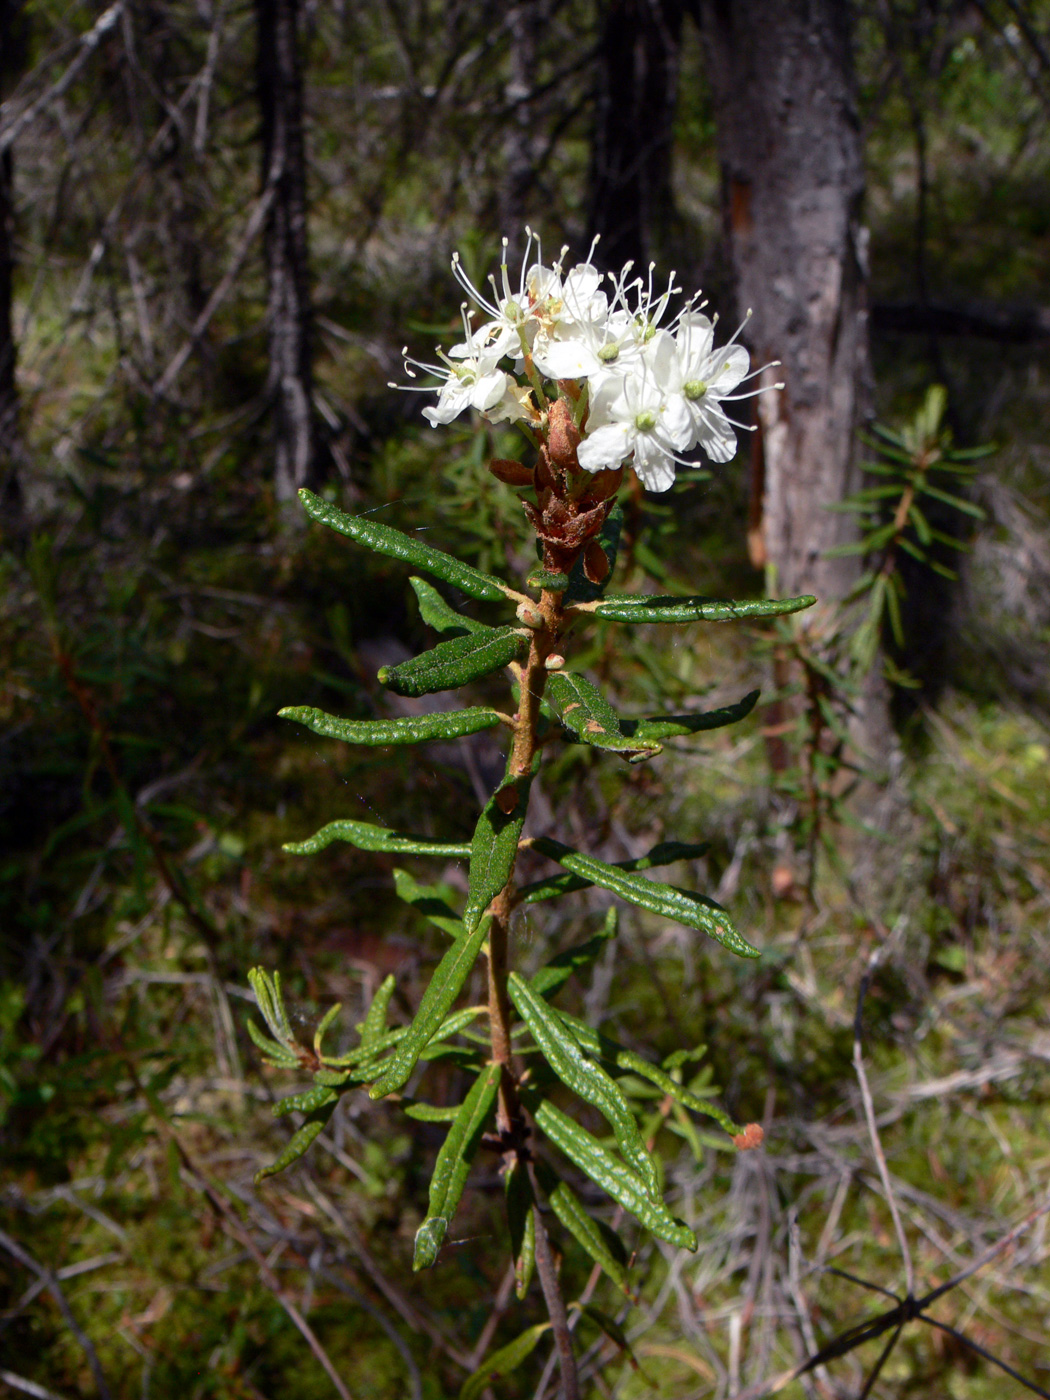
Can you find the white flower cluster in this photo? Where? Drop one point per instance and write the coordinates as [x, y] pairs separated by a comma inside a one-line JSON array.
[[653, 392]]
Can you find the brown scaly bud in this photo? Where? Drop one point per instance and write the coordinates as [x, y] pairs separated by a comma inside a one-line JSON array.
[[563, 436], [750, 1138], [599, 486], [511, 473], [595, 562]]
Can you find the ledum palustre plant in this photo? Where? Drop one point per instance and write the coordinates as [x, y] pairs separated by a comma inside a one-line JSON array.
[[598, 384]]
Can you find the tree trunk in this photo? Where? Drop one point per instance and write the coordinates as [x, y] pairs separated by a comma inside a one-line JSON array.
[[789, 142], [12, 446], [289, 312], [630, 198]]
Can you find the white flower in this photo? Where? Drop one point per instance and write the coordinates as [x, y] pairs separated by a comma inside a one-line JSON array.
[[637, 412], [514, 317], [703, 376], [472, 380]]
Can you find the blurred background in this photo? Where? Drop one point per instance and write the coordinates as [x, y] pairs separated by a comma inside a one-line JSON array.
[[219, 224]]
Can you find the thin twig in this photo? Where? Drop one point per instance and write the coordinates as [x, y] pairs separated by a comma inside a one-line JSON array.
[[16, 1251], [556, 1308], [87, 44], [873, 1131]]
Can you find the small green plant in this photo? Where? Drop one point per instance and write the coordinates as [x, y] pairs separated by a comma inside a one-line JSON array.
[[596, 384], [916, 467]]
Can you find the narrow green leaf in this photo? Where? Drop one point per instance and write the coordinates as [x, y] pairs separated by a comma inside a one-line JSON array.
[[452, 971], [608, 1325], [917, 518], [693, 910], [299, 1143], [322, 1026], [367, 837], [597, 1240], [438, 613], [646, 608], [384, 540], [519, 1198], [675, 726], [427, 900], [557, 972], [580, 589], [613, 1176], [453, 1166], [584, 1077], [411, 729], [586, 713], [279, 1055], [429, 1112], [455, 663], [663, 853], [503, 1362], [306, 1102], [600, 1046], [494, 847], [373, 1027], [553, 583], [957, 502]]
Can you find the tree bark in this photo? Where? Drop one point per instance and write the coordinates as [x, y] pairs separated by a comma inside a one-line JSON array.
[[789, 143], [290, 382], [12, 445], [630, 194]]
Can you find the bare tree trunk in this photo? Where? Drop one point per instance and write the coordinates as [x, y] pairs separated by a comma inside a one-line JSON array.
[[12, 446], [289, 312], [789, 142], [630, 196]]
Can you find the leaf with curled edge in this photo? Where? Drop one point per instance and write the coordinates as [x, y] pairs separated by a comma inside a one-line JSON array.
[[439, 614], [601, 1047], [445, 985], [453, 1165], [397, 545], [457, 662], [410, 729], [595, 1237], [614, 1176], [552, 977], [373, 1027], [503, 1362], [663, 853], [660, 727], [644, 607], [588, 716], [521, 1222], [494, 847], [693, 910], [584, 1077], [428, 901], [300, 1142], [367, 837]]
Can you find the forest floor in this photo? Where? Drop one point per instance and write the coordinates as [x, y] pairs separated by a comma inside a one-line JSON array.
[[146, 649]]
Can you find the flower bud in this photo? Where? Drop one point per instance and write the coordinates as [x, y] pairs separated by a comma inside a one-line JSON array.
[[529, 615], [554, 662], [563, 436]]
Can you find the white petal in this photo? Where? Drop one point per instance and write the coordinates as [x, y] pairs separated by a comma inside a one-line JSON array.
[[654, 468], [730, 366], [677, 423], [605, 447], [607, 403], [715, 435], [488, 390], [565, 359]]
